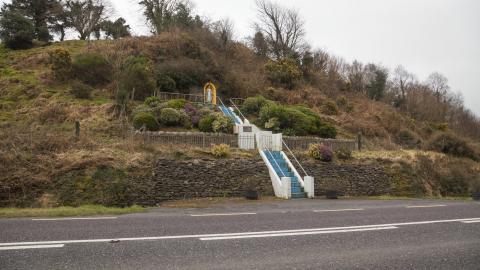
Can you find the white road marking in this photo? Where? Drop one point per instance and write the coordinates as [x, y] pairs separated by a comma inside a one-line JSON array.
[[296, 233], [471, 221], [338, 210], [31, 247], [426, 206], [222, 214], [67, 219], [234, 234]]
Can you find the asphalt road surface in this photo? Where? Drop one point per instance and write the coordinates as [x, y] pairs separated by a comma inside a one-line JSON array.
[[296, 234]]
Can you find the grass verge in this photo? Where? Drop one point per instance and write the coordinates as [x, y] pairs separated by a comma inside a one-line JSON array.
[[391, 198], [209, 202], [86, 210]]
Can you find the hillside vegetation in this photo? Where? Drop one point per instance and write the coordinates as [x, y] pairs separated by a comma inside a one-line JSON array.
[[107, 86]]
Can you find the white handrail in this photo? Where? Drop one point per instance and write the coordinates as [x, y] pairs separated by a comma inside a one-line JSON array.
[[221, 102], [295, 158], [294, 170], [238, 109], [275, 162]]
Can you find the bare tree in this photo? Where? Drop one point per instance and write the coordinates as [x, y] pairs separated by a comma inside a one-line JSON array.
[[402, 80], [282, 28], [320, 61], [224, 31], [87, 16], [356, 76], [439, 85]]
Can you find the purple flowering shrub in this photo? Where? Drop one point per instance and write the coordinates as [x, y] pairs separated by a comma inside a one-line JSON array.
[[320, 152]]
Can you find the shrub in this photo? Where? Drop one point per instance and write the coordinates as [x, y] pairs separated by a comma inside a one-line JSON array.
[[152, 101], [343, 154], [184, 72], [252, 105], [92, 69], [193, 113], [407, 138], [81, 90], [145, 119], [330, 108], [320, 152], [296, 120], [142, 109], [107, 186], [222, 124], [205, 124], [166, 83], [475, 185], [327, 131], [16, 31], [220, 150], [170, 117], [61, 64], [450, 144], [455, 182], [176, 104], [136, 78], [285, 72], [121, 98], [342, 101]]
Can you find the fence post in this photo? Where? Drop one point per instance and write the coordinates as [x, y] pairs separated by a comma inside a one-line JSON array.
[[77, 129], [359, 141], [203, 140]]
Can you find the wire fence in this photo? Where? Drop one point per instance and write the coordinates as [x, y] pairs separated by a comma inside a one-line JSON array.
[[303, 143], [188, 97], [206, 140], [195, 139]]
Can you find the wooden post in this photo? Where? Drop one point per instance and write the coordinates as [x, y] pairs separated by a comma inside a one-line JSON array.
[[359, 141], [77, 129]]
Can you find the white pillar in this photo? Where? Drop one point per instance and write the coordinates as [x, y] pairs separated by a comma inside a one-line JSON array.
[[287, 187], [277, 142], [309, 186]]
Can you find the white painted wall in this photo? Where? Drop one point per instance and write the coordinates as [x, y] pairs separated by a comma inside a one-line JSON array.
[[309, 186]]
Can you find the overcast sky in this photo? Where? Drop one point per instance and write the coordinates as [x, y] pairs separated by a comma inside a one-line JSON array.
[[422, 35]]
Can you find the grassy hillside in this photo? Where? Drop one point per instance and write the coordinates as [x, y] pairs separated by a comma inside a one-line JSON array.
[[40, 155]]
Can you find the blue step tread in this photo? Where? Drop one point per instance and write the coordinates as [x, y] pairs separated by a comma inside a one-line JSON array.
[[281, 168], [227, 112]]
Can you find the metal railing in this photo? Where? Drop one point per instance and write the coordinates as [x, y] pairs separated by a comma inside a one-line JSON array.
[[188, 97], [221, 102], [238, 109], [295, 158], [238, 101]]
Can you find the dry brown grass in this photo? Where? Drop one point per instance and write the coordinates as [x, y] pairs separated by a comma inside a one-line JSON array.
[[396, 155]]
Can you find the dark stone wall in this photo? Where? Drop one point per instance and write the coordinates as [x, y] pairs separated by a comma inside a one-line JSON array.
[[196, 178], [178, 179], [349, 179]]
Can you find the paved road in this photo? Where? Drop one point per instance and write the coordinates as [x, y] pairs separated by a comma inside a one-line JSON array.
[[299, 234]]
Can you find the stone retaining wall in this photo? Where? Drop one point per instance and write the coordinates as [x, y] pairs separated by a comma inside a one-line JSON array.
[[349, 179], [175, 179], [179, 179]]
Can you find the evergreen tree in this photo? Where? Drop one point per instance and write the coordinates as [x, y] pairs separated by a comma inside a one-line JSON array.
[[116, 29], [260, 45], [376, 88], [16, 30], [41, 12]]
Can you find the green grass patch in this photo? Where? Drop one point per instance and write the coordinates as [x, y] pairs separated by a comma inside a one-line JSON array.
[[87, 210]]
